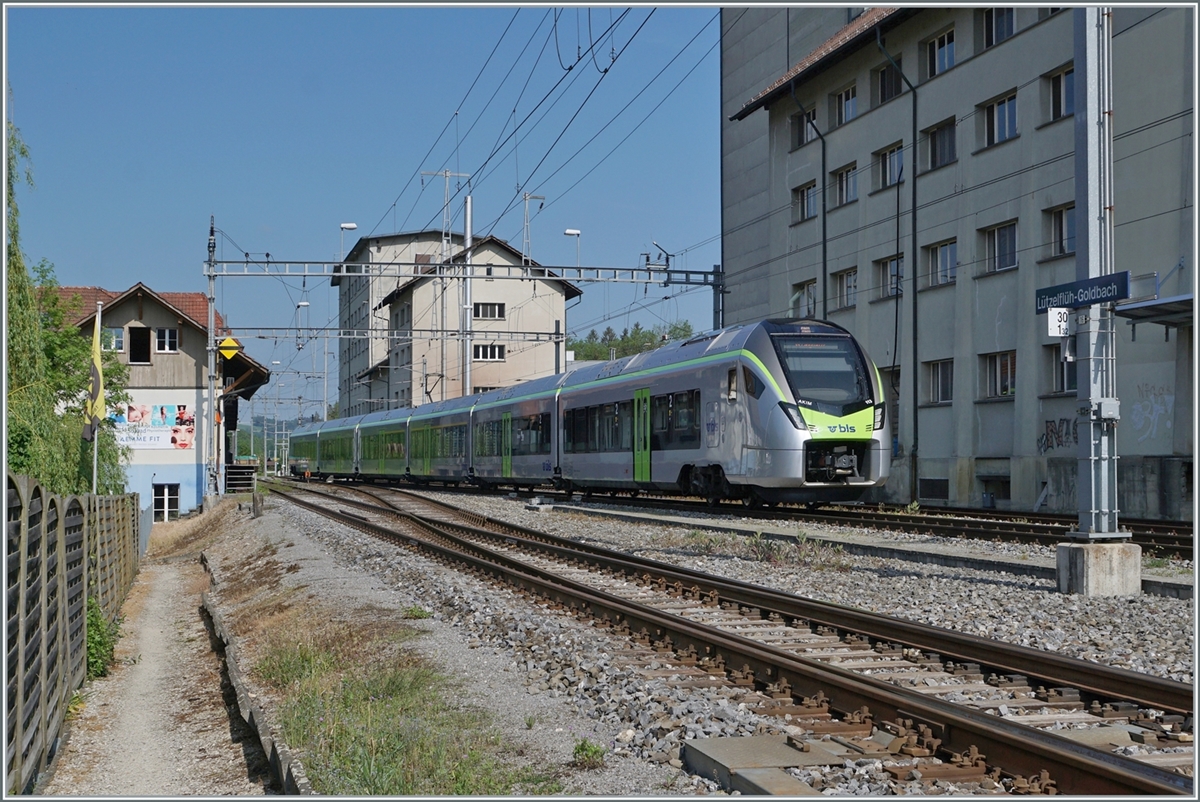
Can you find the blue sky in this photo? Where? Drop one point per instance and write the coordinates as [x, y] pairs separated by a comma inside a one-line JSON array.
[[285, 122]]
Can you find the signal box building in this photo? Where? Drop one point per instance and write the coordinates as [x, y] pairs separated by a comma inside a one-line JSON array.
[[413, 353], [163, 338], [818, 163]]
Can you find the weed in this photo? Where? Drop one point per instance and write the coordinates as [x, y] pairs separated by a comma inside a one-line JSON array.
[[76, 703], [415, 612], [530, 721], [101, 640], [1155, 562], [385, 726], [588, 755], [704, 542], [766, 550], [913, 508]]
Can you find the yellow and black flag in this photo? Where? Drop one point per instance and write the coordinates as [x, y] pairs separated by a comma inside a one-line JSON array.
[[93, 412]]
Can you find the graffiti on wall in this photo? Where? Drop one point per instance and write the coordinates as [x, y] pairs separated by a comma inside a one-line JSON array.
[[1155, 402], [1058, 433]]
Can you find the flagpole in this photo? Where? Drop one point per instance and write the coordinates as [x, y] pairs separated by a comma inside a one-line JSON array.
[[96, 437]]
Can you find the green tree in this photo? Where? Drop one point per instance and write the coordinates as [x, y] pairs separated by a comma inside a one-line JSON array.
[[47, 367], [632, 341]]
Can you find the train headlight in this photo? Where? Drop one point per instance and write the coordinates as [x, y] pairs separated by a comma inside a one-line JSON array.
[[879, 411], [793, 414]]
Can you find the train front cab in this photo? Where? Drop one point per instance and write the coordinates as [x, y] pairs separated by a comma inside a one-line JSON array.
[[833, 407]]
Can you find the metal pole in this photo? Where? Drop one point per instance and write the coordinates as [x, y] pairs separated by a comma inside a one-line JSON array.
[[96, 434], [1096, 476], [913, 383], [468, 309], [211, 427], [718, 298]]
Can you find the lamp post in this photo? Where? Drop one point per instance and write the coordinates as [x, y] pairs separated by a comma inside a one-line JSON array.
[[275, 441], [574, 232]]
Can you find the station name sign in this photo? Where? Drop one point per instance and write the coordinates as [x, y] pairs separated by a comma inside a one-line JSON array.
[[1113, 287]]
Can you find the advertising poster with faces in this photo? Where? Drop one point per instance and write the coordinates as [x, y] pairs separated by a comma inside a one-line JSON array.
[[155, 426]]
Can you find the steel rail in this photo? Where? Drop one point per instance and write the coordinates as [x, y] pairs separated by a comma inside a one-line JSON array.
[[1017, 749], [1106, 682], [934, 522]]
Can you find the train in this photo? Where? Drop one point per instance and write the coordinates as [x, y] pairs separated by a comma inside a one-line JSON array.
[[777, 411]]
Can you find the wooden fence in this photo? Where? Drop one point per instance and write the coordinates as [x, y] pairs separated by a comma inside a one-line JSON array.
[[60, 550]]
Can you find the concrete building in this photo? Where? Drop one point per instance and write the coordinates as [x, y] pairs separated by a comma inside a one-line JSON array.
[[416, 354], [817, 202], [163, 338]]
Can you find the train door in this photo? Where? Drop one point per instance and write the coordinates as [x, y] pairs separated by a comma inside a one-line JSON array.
[[506, 445], [421, 447], [641, 435]]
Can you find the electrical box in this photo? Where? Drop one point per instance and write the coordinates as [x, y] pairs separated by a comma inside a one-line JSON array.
[[1107, 409]]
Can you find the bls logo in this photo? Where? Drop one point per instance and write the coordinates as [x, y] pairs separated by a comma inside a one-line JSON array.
[[711, 426], [842, 428]]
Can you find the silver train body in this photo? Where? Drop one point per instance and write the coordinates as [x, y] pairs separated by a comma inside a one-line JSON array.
[[776, 411]]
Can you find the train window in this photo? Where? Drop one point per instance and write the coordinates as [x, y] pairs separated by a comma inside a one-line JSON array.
[[660, 422], [625, 425], [731, 392], [753, 386], [581, 443], [686, 429], [608, 427], [593, 429]]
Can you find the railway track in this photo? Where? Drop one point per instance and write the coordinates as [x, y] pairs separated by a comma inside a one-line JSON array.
[[837, 671], [1157, 538]]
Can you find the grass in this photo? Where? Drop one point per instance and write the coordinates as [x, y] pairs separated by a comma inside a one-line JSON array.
[[370, 718], [415, 612]]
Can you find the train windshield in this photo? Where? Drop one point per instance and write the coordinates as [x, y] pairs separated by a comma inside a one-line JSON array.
[[827, 372]]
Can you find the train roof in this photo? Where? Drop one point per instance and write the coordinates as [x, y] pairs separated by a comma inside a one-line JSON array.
[[444, 406], [546, 385], [307, 428], [338, 424], [724, 340], [387, 414]]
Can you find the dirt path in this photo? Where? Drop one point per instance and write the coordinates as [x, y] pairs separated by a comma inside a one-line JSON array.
[[158, 725]]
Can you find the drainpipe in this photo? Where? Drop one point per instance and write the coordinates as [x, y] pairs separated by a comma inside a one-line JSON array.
[[824, 207], [912, 455]]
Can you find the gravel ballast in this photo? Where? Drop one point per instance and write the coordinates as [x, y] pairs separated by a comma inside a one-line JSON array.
[[644, 722]]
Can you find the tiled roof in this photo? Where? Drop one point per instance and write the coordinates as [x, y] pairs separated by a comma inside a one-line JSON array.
[[193, 305], [856, 27]]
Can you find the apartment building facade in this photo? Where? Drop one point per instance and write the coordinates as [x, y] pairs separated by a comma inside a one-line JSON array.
[[412, 353], [978, 105]]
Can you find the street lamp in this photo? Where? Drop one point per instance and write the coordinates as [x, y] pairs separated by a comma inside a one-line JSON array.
[[574, 232], [345, 227]]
